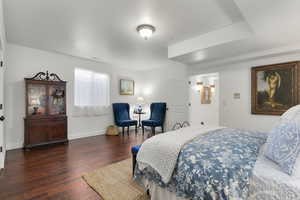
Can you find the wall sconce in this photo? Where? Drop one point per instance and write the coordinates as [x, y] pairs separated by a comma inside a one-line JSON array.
[[199, 86], [212, 87]]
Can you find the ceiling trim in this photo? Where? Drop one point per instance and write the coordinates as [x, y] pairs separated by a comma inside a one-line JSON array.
[[251, 56], [234, 32]]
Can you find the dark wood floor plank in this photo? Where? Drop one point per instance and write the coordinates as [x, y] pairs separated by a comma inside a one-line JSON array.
[[55, 172]]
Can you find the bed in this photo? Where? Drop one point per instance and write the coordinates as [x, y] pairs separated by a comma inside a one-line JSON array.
[[246, 175]]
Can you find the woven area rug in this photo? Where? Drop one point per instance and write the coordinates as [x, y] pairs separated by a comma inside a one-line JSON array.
[[114, 182]]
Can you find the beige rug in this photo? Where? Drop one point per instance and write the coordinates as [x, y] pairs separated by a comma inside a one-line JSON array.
[[114, 182]]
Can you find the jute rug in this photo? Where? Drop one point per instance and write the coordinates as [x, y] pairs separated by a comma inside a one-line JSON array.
[[114, 182]]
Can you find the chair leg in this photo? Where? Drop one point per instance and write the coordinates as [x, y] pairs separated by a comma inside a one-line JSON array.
[[127, 130], [162, 129], [153, 130], [143, 128], [136, 129], [133, 164], [123, 130]]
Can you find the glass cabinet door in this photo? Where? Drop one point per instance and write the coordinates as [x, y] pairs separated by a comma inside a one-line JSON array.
[[37, 97], [57, 100]]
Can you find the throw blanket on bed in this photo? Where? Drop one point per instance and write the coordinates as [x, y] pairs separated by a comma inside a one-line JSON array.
[[161, 152], [214, 166]]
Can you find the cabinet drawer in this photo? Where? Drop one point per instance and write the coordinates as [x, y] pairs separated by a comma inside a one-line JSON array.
[[37, 133], [57, 130], [45, 131]]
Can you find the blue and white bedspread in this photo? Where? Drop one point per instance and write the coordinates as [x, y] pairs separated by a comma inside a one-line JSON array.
[[214, 166]]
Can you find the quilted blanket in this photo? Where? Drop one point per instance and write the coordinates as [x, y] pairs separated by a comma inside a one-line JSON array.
[[161, 152], [214, 166]]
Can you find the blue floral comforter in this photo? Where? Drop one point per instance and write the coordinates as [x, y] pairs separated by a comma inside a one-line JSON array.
[[214, 166]]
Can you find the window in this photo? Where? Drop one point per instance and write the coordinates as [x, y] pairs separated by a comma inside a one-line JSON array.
[[91, 88]]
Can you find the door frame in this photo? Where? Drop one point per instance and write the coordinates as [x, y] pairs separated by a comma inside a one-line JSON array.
[[2, 125]]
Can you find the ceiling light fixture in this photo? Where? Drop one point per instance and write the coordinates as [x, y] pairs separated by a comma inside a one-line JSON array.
[[145, 30]]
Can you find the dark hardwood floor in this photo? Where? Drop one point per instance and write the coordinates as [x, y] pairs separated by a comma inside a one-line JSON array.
[[55, 172]]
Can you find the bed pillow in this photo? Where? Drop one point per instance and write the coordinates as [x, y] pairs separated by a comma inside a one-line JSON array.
[[292, 114], [296, 172], [283, 145]]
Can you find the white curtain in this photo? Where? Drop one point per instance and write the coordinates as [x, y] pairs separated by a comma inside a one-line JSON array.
[[92, 95]]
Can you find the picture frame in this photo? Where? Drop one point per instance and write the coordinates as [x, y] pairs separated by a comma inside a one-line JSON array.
[[206, 95], [126, 87], [274, 88]]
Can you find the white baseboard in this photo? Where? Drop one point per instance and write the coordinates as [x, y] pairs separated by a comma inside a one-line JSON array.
[[11, 146], [2, 160], [72, 136]]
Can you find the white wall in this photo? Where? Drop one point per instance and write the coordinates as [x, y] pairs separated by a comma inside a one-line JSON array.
[[167, 83], [206, 113], [3, 58], [26, 62], [236, 78]]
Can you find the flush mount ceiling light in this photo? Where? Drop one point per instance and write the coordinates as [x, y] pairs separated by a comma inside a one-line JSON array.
[[145, 30]]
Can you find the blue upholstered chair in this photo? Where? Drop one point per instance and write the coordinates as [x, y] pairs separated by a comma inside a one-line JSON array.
[[157, 117], [122, 118]]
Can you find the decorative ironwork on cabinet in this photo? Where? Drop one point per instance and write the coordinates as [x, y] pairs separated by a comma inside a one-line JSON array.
[[46, 119]]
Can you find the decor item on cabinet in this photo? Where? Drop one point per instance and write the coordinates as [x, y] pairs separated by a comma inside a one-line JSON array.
[[112, 130], [126, 87], [35, 102], [157, 117], [122, 117], [275, 88], [46, 119]]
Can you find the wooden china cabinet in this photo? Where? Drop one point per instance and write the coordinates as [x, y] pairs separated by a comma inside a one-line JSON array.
[[46, 120]]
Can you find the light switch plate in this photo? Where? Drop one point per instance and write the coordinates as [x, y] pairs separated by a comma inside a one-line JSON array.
[[236, 95]]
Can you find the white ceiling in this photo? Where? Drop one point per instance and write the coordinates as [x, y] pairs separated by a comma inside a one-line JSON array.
[[272, 24], [105, 30]]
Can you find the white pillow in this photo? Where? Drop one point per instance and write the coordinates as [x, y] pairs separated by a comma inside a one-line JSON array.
[[296, 172], [292, 114]]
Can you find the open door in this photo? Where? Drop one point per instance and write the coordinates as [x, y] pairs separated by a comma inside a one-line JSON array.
[[2, 118], [204, 109]]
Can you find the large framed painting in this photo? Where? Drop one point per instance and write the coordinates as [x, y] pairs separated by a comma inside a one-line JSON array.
[[126, 87], [275, 88]]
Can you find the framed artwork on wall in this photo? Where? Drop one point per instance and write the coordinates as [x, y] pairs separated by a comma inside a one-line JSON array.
[[274, 88], [206, 95], [126, 87]]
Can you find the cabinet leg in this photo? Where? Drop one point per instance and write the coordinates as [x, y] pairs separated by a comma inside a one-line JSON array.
[[27, 149]]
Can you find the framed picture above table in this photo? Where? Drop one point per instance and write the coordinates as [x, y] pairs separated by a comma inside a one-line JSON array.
[[275, 88], [126, 87]]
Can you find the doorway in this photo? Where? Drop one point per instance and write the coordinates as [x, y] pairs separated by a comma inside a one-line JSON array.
[[204, 99]]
